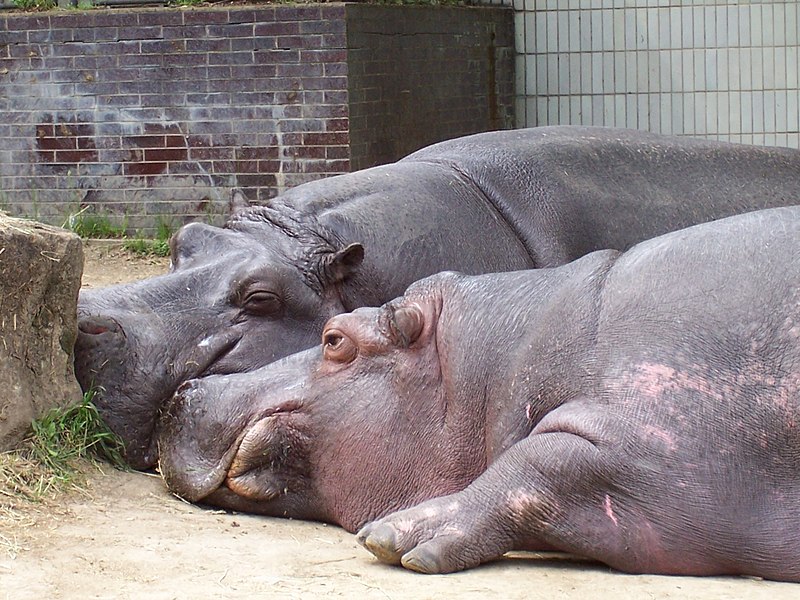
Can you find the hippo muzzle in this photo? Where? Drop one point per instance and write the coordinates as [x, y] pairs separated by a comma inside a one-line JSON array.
[[129, 364], [192, 466], [219, 443]]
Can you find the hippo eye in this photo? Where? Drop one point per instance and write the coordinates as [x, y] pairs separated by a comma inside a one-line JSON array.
[[262, 303], [338, 347]]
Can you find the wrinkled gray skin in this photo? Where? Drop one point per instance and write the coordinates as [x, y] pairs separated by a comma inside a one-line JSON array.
[[262, 287], [641, 409]]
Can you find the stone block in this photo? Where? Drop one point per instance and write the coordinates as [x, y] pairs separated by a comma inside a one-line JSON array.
[[40, 274]]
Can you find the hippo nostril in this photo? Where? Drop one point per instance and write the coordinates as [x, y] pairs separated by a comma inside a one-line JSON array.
[[98, 325], [93, 329]]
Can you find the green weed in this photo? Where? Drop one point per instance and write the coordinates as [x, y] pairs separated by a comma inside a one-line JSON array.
[[94, 226], [49, 459], [159, 246], [144, 247], [73, 432], [35, 4]]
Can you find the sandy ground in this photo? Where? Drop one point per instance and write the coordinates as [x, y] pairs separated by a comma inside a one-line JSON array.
[[127, 537]]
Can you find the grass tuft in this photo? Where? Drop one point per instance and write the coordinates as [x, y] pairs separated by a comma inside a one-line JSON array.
[[33, 5], [155, 247], [143, 247], [52, 458], [91, 226], [65, 434], [88, 225]]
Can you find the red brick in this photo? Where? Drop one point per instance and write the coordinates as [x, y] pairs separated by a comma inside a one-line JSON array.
[[299, 41], [326, 139], [236, 15], [326, 25], [337, 124], [247, 166], [145, 168], [145, 141], [323, 56], [172, 128], [306, 152], [269, 166], [204, 17], [165, 154], [75, 156], [86, 143], [210, 154], [175, 141], [57, 143], [337, 152], [230, 30], [297, 13], [272, 28], [326, 166], [257, 152], [256, 180]]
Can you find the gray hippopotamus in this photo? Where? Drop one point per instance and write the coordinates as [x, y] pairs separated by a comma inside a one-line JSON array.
[[263, 286], [641, 409]]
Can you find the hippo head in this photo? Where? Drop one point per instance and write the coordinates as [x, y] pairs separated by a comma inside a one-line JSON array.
[[235, 299], [343, 433]]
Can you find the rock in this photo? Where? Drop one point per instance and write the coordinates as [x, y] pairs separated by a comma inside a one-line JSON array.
[[40, 274]]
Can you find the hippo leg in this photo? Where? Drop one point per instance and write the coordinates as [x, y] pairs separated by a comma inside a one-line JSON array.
[[563, 487], [576, 493], [520, 502]]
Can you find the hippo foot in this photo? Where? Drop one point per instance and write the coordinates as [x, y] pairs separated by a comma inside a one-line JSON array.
[[434, 537]]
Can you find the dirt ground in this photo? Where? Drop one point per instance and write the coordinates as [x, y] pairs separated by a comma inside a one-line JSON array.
[[127, 537]]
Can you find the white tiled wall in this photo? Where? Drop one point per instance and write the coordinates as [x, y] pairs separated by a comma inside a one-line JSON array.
[[725, 69]]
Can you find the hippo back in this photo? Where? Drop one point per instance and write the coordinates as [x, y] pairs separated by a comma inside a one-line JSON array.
[[567, 191]]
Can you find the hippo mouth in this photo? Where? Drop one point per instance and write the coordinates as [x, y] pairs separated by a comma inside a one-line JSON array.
[[247, 475], [219, 351], [129, 401], [254, 470]]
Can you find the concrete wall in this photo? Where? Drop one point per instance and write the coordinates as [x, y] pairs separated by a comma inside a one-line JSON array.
[[723, 69], [148, 115], [452, 71]]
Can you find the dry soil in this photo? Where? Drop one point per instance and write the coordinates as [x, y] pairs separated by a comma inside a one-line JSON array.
[[127, 537]]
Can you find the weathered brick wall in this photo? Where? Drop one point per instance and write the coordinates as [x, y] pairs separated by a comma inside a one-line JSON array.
[[142, 113], [154, 114], [419, 75]]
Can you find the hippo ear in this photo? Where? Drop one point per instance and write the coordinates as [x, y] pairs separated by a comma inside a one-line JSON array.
[[408, 322], [343, 263], [238, 201]]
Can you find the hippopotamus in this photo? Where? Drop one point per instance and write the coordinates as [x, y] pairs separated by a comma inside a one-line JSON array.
[[262, 287], [641, 409]]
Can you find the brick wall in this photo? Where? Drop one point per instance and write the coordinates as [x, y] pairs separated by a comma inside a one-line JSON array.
[[148, 115]]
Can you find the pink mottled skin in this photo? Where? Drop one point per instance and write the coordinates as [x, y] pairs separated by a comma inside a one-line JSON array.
[[639, 409]]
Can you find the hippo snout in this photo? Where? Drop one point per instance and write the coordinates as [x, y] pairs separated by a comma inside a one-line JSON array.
[[197, 439], [216, 437], [261, 455]]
